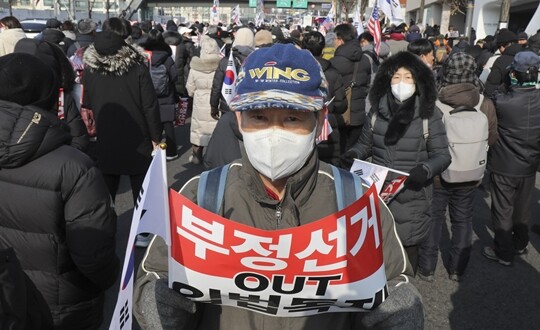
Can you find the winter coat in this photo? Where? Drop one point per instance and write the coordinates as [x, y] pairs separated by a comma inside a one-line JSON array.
[[329, 151], [167, 103], [224, 145], [517, 151], [309, 196], [344, 61], [411, 209], [184, 53], [119, 89], [534, 43], [397, 43], [77, 128], [65, 240], [216, 99], [499, 71], [8, 40], [23, 306], [468, 94], [199, 86]]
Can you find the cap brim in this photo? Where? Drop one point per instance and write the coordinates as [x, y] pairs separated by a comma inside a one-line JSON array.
[[276, 99]]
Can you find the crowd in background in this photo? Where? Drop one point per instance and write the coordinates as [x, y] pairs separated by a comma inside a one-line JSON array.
[[116, 92]]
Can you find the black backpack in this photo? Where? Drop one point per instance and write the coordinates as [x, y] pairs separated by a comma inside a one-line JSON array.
[[160, 79]]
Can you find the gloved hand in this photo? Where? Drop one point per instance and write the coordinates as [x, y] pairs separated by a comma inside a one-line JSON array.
[[347, 159], [402, 309], [417, 178], [163, 308], [214, 112]]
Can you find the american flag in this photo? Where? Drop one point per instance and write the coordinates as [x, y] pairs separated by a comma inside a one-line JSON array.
[[374, 27], [326, 130]]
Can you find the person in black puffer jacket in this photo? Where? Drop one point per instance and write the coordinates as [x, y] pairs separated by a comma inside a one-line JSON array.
[[244, 44], [56, 211], [160, 53], [184, 53], [514, 159], [348, 54], [329, 150], [498, 77], [403, 96]]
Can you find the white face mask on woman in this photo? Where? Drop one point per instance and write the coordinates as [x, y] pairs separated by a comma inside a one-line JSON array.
[[402, 91], [278, 153]]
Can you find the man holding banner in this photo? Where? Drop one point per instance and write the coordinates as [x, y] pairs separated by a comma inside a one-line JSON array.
[[278, 239]]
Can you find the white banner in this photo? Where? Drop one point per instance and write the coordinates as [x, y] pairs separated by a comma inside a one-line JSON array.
[[150, 215]]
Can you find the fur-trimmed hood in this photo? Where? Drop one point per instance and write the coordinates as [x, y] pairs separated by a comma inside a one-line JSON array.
[[426, 90], [207, 63], [118, 64]]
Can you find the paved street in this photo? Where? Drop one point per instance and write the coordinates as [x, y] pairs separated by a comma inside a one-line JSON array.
[[490, 296]]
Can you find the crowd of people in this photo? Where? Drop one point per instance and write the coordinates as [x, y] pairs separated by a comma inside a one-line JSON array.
[[80, 108]]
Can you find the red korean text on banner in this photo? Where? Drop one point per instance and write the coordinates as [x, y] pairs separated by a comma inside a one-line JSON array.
[[334, 264]]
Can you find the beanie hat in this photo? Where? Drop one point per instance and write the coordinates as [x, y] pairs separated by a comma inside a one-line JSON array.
[[108, 43], [524, 60], [18, 72], [53, 23], [263, 37], [460, 68], [330, 39], [244, 37], [281, 76], [171, 26], [522, 36], [86, 26], [53, 56], [506, 36]]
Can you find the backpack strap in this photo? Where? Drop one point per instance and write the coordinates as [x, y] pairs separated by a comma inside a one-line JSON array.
[[425, 128], [348, 187], [212, 188]]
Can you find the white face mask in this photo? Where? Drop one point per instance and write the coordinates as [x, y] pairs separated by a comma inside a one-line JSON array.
[[403, 91], [278, 153]]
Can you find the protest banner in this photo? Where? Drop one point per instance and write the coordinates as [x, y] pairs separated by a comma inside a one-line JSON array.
[[334, 264]]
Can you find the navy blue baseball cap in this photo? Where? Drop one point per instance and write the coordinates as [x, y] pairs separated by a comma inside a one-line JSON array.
[[524, 60], [282, 76]]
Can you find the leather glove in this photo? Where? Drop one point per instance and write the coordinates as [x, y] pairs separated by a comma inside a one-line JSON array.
[[164, 308], [417, 178], [214, 112], [402, 309], [347, 159]]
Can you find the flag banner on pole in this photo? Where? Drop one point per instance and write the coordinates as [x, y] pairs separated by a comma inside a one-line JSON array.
[[331, 265], [214, 16], [386, 8], [374, 27], [236, 14], [397, 12], [376, 174], [357, 21], [150, 215], [228, 89]]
